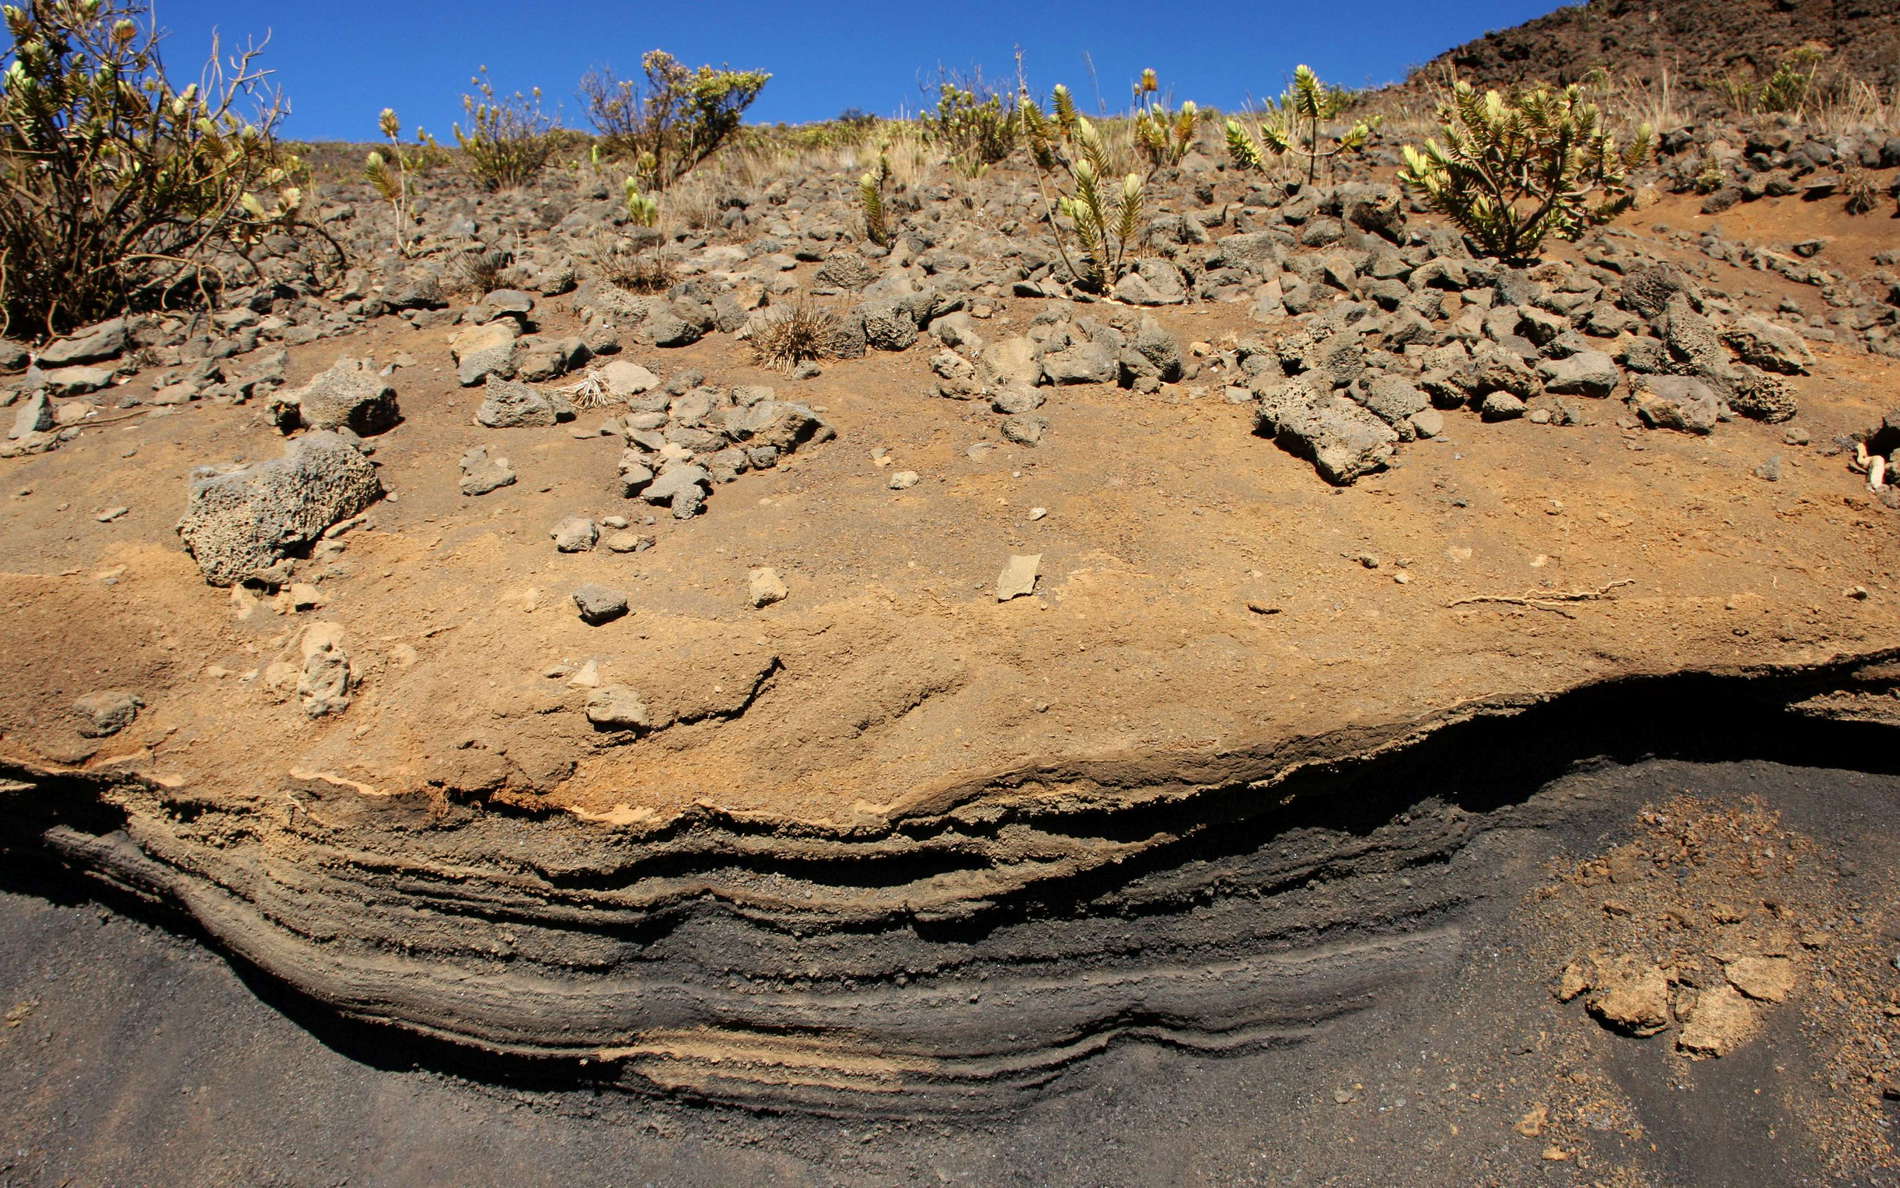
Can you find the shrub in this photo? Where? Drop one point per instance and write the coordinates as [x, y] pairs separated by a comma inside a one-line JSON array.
[[1786, 90], [1163, 136], [1514, 170], [1294, 124], [508, 140], [675, 121], [116, 190], [975, 131]]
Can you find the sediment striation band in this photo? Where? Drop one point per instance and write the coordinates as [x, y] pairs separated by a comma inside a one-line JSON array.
[[946, 963]]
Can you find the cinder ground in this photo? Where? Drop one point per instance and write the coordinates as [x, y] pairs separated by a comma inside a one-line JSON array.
[[133, 1056]]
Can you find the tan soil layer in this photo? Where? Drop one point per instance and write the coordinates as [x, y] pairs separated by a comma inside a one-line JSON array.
[[891, 681]]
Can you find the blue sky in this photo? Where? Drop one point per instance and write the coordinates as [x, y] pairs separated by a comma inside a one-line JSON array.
[[341, 62]]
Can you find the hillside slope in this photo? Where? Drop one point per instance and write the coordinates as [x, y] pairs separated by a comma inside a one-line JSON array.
[[1697, 39]]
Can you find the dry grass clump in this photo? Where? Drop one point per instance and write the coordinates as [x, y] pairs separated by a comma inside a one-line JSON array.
[[638, 270], [480, 272], [694, 204], [802, 332], [1855, 106]]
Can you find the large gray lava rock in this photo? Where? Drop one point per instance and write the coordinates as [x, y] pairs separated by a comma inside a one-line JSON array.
[[1344, 440], [250, 518], [1761, 343], [776, 423], [1649, 290], [350, 395], [1586, 373], [1678, 402], [95, 344], [509, 404]]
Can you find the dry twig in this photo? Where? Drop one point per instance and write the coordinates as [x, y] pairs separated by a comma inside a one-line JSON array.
[[1546, 600]]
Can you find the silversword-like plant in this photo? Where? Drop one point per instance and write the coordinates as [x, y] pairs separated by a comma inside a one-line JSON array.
[[1514, 170], [391, 174], [1295, 124], [1164, 136], [1103, 210], [871, 199], [643, 210]]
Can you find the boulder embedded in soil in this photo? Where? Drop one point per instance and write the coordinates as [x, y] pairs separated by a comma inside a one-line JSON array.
[[1632, 1000], [481, 352], [507, 404], [250, 518], [1677, 402], [104, 714], [1766, 979], [617, 707], [1344, 441], [323, 686], [1720, 1022]]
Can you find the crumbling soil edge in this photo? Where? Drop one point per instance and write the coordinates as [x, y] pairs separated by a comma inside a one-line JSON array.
[[957, 963]]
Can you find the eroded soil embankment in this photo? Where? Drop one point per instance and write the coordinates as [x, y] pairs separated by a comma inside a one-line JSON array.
[[954, 963]]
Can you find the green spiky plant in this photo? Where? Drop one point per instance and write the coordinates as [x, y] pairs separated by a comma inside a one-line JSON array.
[[871, 199], [1104, 219], [1046, 132], [118, 190], [1163, 136], [1295, 124], [1103, 213], [1514, 170], [1786, 90], [643, 210]]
